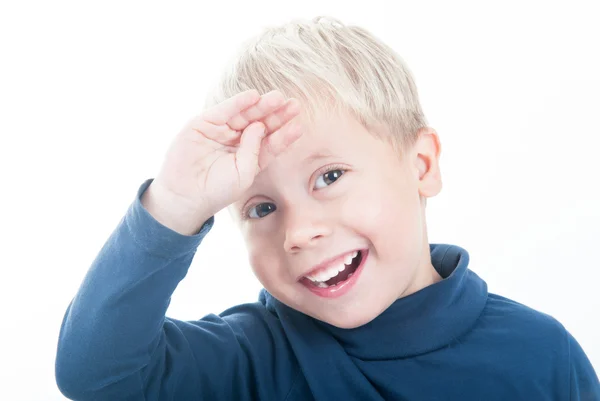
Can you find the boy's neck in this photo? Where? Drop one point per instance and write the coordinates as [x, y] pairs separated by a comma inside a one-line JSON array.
[[426, 275]]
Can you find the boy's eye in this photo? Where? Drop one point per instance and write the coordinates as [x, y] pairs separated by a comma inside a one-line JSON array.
[[328, 178], [261, 210]]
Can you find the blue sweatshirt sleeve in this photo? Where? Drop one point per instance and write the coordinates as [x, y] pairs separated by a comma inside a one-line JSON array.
[[584, 381], [115, 342]]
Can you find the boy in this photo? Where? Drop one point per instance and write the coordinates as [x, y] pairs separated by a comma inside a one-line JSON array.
[[317, 144]]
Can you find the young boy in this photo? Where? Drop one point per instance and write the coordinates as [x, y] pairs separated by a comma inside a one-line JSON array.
[[317, 144]]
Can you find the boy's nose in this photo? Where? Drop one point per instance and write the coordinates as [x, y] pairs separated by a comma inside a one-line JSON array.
[[303, 232]]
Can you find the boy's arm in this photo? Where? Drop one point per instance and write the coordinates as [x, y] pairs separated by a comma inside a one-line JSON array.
[[583, 381], [116, 343]]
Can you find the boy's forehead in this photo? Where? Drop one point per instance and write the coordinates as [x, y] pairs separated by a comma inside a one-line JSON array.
[[327, 128], [309, 149], [325, 137]]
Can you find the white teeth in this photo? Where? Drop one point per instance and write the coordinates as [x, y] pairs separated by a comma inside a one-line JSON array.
[[320, 278], [323, 276], [329, 273]]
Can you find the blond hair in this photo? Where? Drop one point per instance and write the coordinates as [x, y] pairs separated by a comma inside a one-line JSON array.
[[330, 67]]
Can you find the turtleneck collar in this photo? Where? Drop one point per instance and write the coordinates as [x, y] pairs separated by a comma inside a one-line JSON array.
[[418, 323]]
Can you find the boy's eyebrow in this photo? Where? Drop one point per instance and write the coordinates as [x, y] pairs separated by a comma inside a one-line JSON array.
[[316, 156]]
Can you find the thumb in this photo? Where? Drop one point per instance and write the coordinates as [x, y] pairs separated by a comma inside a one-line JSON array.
[[247, 154]]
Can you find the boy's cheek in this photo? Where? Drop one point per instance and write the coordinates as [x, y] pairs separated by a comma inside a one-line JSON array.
[[372, 205], [387, 214], [265, 264]]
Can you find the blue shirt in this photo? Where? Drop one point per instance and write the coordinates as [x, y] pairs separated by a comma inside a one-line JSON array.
[[449, 341]]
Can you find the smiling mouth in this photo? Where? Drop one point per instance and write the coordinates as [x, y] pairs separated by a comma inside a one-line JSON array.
[[336, 275]]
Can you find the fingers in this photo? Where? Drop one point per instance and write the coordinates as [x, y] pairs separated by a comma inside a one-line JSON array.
[[277, 142], [223, 112], [225, 122], [268, 103], [281, 116], [248, 152]]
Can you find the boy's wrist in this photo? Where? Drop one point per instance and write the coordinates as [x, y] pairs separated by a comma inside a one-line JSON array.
[[170, 212]]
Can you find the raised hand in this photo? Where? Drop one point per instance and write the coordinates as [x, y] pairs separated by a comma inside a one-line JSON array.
[[217, 155]]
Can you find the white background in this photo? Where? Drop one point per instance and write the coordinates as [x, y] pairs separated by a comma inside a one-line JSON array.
[[91, 94]]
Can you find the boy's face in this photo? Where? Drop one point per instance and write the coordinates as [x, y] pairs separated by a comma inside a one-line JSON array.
[[335, 193]]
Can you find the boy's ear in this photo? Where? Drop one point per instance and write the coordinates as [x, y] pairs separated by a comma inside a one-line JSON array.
[[426, 152]]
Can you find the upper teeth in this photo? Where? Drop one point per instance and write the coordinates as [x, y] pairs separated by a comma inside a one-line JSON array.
[[332, 271]]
